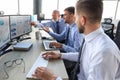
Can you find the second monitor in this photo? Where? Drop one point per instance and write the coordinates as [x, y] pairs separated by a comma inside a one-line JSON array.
[[19, 25]]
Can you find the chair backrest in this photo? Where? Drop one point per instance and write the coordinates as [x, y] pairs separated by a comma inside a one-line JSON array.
[[117, 36], [108, 29]]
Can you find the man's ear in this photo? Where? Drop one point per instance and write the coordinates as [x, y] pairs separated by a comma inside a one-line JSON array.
[[83, 20]]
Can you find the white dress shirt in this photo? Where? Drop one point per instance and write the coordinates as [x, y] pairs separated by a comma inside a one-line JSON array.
[[100, 58]]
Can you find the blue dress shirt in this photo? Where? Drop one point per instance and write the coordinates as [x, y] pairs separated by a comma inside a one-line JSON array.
[[74, 38], [52, 24]]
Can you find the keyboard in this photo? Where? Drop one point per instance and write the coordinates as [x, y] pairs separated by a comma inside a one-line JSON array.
[[40, 62], [46, 44], [45, 35]]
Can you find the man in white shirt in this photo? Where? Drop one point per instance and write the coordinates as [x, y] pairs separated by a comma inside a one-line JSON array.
[[100, 58]]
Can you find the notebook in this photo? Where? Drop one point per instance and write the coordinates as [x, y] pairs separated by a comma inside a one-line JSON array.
[[24, 45], [39, 62], [46, 44]]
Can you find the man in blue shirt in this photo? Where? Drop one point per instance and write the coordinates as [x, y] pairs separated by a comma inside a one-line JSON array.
[[100, 56], [70, 34], [56, 23]]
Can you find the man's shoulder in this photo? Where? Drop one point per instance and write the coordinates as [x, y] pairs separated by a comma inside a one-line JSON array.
[[105, 43]]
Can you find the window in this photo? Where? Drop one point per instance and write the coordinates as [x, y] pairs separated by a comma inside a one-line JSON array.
[[47, 7], [26, 7], [118, 11], [109, 9], [9, 7], [66, 3]]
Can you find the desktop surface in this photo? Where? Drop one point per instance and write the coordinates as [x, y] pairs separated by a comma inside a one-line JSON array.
[[16, 71]]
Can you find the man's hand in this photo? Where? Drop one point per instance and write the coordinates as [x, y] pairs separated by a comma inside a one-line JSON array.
[[56, 44], [33, 23], [44, 74], [51, 55], [46, 29]]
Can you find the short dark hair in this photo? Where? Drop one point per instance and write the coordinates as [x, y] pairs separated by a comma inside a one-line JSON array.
[[92, 9], [70, 10]]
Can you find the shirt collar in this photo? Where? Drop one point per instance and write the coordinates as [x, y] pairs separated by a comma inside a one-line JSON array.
[[55, 21], [93, 34], [72, 25]]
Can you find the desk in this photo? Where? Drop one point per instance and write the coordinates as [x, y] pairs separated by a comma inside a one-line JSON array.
[[15, 72]]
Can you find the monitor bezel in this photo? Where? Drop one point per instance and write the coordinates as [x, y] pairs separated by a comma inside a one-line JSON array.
[[18, 37], [6, 43]]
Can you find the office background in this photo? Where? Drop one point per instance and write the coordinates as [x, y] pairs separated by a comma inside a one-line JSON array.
[[111, 7]]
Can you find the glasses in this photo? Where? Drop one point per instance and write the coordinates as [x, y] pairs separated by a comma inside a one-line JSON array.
[[10, 63]]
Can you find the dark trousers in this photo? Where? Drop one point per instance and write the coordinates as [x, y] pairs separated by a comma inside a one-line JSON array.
[[69, 65]]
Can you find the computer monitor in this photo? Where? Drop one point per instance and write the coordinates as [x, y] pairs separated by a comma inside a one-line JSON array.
[[4, 31], [19, 25]]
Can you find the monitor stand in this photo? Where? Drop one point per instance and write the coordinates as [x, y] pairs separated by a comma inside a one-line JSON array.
[[24, 38], [4, 50], [21, 45], [21, 38]]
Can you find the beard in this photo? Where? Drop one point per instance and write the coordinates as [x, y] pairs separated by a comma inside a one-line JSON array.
[[81, 29], [65, 21], [80, 26]]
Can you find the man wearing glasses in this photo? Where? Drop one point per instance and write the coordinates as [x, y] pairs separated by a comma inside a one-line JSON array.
[[100, 57]]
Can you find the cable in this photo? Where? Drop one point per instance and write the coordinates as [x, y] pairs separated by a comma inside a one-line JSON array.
[[6, 51]]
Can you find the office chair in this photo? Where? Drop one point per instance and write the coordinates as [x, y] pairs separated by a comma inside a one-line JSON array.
[[108, 27], [117, 35]]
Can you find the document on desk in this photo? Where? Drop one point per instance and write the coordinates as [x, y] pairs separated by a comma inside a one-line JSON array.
[[40, 62]]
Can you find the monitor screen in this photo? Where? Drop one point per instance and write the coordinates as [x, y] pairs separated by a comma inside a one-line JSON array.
[[4, 31], [19, 25]]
